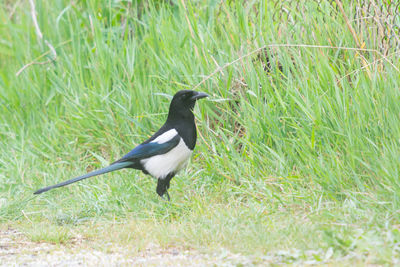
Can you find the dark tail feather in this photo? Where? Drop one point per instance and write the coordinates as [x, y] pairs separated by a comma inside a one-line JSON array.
[[113, 167]]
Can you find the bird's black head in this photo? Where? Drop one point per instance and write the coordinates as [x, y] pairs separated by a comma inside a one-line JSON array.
[[183, 103]]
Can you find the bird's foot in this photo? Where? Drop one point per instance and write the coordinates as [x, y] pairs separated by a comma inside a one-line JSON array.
[[166, 196]]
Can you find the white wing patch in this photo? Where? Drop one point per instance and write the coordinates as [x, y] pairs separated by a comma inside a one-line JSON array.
[[165, 137], [174, 160]]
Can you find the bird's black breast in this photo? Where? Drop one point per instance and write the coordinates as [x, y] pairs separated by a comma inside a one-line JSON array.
[[188, 133]]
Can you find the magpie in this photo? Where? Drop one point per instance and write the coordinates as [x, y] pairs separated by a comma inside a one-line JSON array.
[[165, 152]]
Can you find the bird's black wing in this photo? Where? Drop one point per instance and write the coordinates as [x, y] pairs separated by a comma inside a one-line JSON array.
[[147, 150]]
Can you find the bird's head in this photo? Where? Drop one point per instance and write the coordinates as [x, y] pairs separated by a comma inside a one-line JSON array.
[[183, 102]]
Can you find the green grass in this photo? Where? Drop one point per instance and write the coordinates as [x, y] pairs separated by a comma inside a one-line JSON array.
[[302, 158]]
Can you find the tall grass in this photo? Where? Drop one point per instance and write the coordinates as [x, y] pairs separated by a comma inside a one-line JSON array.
[[296, 155]]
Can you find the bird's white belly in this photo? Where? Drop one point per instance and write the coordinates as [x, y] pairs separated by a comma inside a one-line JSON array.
[[161, 165]]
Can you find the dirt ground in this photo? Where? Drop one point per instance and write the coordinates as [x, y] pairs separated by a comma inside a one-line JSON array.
[[17, 250]]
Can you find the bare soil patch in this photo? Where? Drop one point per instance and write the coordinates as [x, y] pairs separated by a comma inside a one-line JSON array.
[[17, 250]]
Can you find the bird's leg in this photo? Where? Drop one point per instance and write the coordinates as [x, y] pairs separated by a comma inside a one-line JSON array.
[[162, 188], [163, 185]]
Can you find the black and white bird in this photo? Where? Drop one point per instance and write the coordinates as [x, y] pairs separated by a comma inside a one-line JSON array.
[[163, 154]]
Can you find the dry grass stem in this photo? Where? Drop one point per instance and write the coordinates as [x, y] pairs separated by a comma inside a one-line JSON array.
[[40, 37]]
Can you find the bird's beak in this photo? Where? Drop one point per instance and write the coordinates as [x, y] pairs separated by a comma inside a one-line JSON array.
[[198, 95]]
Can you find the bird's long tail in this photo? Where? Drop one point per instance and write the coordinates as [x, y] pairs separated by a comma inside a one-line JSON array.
[[112, 167]]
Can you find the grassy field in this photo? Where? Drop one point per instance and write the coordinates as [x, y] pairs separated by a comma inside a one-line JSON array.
[[298, 158]]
